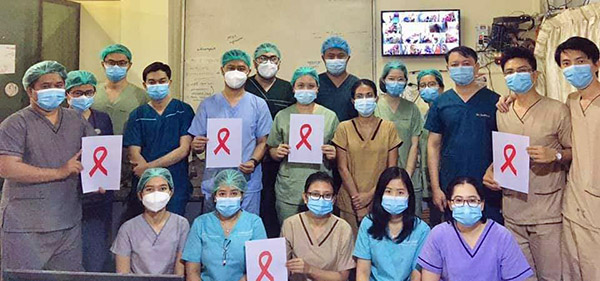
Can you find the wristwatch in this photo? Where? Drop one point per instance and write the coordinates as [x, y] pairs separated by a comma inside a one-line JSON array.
[[558, 155], [254, 161]]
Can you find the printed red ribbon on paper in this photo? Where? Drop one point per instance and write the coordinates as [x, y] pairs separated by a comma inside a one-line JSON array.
[[98, 161], [509, 158], [304, 134], [222, 141], [264, 268]]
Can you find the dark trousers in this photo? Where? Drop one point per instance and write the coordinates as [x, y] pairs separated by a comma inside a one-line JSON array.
[[267, 198], [96, 234]]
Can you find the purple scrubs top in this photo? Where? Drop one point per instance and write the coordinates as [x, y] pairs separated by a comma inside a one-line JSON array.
[[496, 256]]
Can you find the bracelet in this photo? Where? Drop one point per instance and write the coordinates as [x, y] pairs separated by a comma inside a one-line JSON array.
[[254, 161]]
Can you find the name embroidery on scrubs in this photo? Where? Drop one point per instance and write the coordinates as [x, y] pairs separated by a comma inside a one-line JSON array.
[[483, 115]]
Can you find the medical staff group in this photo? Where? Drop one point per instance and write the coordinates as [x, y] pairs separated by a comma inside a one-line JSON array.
[[357, 215]]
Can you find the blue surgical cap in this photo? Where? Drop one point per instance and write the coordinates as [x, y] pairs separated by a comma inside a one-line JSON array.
[[115, 48], [78, 78], [42, 68], [152, 173], [395, 64], [305, 70], [235, 54], [231, 178], [335, 42], [435, 73], [266, 48]]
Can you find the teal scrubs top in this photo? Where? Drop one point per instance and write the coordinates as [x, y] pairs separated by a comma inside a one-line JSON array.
[[339, 100], [222, 258], [390, 260]]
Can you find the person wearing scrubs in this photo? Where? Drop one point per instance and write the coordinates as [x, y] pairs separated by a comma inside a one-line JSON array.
[[469, 246], [215, 248], [319, 244], [157, 136], [279, 95], [80, 87], [535, 218], [391, 236], [152, 243], [40, 147], [235, 102], [431, 85], [289, 186], [405, 114], [460, 124], [335, 83], [365, 147]]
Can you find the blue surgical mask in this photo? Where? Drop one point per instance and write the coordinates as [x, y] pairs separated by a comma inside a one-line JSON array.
[[158, 91], [365, 107], [50, 99], [82, 103], [430, 94], [462, 75], [579, 75], [394, 205], [116, 73], [335, 66], [227, 207], [519, 82], [467, 215], [320, 207], [305, 96], [394, 88]]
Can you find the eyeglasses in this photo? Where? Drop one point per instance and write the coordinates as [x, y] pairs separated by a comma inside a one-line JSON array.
[[88, 94], [263, 59], [121, 63], [226, 244], [428, 84], [400, 79], [520, 70], [317, 196], [459, 202]]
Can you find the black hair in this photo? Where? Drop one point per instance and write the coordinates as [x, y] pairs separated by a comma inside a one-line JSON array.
[[365, 82], [518, 53], [156, 66], [319, 176], [577, 43], [459, 181], [463, 51], [381, 217]]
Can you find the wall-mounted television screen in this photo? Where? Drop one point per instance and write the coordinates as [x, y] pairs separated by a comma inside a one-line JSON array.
[[419, 33]]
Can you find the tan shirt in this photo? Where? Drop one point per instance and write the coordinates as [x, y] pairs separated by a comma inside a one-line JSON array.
[[367, 155], [581, 203], [331, 250], [547, 123]]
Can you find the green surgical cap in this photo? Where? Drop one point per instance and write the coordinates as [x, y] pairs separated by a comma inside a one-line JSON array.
[[266, 48], [435, 73], [78, 78], [335, 42], [231, 178], [42, 68], [152, 173], [395, 64], [115, 48], [235, 54], [305, 70]]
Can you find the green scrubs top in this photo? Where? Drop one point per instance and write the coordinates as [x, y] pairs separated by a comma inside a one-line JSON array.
[[291, 177], [337, 99], [278, 97], [130, 98]]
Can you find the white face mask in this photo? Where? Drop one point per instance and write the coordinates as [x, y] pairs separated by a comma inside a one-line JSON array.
[[267, 70], [156, 201], [235, 79]]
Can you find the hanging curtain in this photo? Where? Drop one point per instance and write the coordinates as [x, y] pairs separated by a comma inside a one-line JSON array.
[[583, 21]]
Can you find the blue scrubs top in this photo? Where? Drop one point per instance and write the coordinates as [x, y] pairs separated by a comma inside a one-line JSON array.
[[103, 127], [390, 260], [222, 259], [256, 123], [158, 135], [339, 100], [466, 130]]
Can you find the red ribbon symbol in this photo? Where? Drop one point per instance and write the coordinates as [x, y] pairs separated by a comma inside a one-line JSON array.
[[222, 141], [509, 158], [98, 161], [304, 136], [264, 268]]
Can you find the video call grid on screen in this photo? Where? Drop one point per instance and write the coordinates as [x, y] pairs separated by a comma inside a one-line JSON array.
[[419, 33]]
